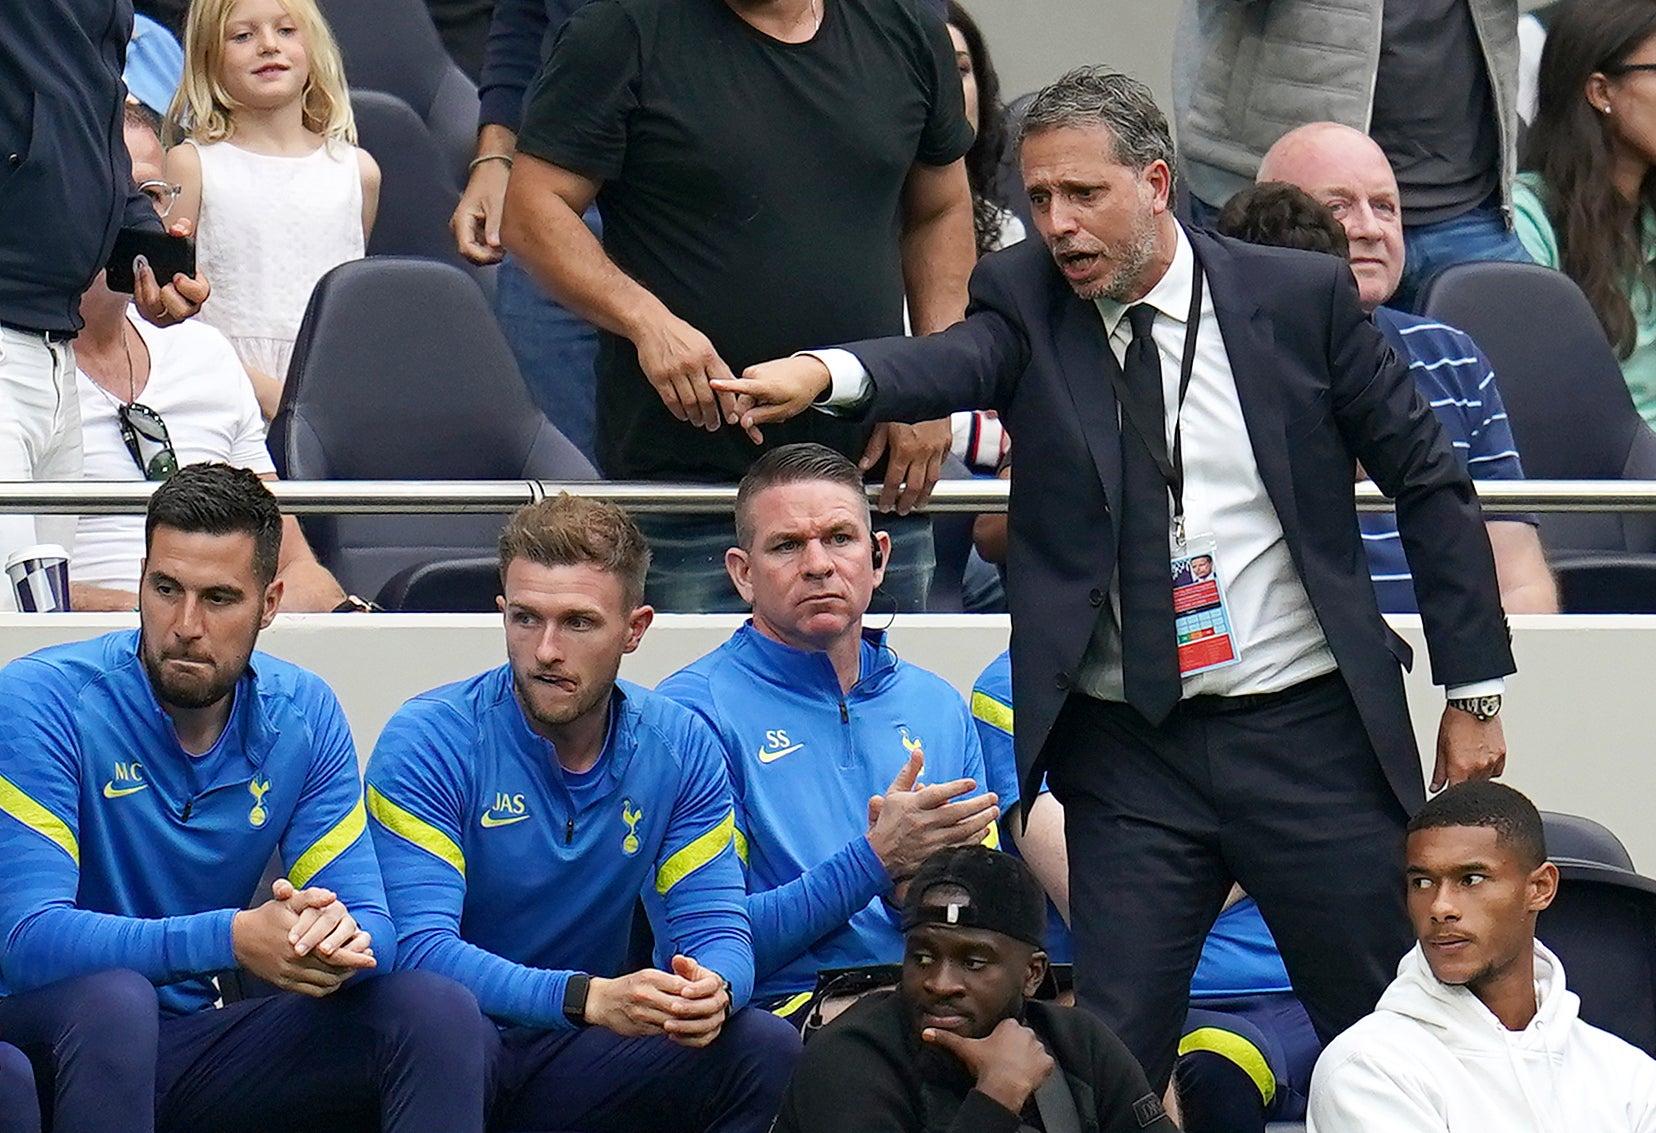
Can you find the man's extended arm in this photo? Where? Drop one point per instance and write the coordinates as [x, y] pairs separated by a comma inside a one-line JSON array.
[[974, 364], [1527, 585]]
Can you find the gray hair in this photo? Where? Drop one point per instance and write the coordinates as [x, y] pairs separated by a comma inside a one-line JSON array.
[[1098, 96]]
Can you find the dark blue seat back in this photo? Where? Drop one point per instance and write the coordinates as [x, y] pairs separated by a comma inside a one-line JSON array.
[[392, 46], [1568, 406], [401, 373]]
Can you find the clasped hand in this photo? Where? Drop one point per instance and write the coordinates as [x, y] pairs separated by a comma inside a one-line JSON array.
[[688, 1004], [302, 940]]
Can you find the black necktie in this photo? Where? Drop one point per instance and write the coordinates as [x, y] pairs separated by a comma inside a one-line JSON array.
[[1149, 656]]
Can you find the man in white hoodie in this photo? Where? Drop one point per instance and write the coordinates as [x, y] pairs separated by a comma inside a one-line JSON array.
[[1478, 1031]]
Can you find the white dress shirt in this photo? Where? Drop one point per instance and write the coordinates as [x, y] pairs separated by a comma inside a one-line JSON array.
[[1276, 632], [1279, 639]]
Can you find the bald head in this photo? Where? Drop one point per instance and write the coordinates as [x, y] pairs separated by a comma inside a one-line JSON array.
[[1346, 171]]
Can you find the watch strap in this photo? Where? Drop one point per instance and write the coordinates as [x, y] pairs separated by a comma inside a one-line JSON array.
[[575, 998]]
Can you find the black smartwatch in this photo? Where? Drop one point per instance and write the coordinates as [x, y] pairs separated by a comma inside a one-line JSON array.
[[575, 997]]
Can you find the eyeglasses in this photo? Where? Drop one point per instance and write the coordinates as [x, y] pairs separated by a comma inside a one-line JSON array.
[[1625, 68], [145, 436], [161, 194]]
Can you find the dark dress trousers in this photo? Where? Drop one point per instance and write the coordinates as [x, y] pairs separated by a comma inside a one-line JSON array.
[[1273, 791]]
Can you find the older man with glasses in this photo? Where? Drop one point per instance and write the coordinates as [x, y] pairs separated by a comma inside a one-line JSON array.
[[153, 399]]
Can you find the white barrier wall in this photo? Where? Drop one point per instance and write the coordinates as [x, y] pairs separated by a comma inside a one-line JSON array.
[[1576, 713]]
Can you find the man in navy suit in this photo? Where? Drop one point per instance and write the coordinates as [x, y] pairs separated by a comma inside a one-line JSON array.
[[1257, 733]]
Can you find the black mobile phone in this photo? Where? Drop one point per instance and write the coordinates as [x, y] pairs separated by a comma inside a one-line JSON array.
[[168, 256]]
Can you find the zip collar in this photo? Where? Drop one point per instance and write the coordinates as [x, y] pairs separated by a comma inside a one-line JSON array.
[[810, 671]]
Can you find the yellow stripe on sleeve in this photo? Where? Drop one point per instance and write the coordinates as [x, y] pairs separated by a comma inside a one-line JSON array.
[[791, 1004], [37, 818], [740, 841], [991, 837], [992, 711], [1233, 1047], [328, 847], [697, 854], [412, 828]]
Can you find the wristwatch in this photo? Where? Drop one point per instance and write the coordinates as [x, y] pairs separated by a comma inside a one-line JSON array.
[[575, 997], [1485, 708], [354, 605]]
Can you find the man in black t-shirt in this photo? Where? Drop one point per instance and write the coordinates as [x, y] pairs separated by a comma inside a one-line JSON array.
[[771, 174], [959, 1046]]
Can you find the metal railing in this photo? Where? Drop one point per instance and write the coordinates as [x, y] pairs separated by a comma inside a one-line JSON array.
[[424, 497]]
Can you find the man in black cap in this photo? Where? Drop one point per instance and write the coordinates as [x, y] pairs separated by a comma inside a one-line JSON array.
[[961, 1046]]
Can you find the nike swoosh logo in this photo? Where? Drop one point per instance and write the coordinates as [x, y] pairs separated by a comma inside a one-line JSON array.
[[111, 791], [490, 821], [772, 756]]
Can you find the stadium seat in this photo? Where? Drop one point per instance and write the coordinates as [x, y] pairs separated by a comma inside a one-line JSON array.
[[1571, 838], [1603, 582], [1602, 925], [392, 46], [1570, 413], [417, 196], [445, 586], [401, 373]]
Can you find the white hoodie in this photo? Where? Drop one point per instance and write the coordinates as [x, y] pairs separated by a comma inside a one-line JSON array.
[[1433, 1057]]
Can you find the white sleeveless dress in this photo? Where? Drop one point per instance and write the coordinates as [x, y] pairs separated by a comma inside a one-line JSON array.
[[269, 228]]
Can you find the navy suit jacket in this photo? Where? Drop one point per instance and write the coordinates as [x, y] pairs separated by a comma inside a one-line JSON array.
[[1320, 390]]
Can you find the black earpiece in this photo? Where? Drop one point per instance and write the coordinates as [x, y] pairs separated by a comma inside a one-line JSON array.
[[879, 557]]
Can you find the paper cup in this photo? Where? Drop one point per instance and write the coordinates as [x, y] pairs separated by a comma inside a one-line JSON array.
[[40, 577]]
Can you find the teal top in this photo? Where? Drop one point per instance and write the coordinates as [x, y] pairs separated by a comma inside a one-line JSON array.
[[1536, 231]]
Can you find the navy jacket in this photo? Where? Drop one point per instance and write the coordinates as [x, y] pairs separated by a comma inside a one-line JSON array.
[[1320, 389], [65, 178]]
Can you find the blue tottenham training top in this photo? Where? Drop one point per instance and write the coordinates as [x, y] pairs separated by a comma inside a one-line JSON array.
[[992, 712], [507, 873], [804, 760], [123, 851]]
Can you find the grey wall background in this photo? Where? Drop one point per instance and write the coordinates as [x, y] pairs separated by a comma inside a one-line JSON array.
[[1035, 41]]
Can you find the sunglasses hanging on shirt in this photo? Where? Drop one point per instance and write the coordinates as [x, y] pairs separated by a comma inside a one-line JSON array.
[[146, 439]]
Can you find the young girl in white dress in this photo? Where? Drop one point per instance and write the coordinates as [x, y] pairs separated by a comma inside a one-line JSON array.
[[270, 171]]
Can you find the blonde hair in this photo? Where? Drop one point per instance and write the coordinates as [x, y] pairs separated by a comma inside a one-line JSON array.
[[203, 110]]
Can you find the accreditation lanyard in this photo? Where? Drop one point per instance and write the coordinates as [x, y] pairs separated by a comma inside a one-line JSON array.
[[1147, 421]]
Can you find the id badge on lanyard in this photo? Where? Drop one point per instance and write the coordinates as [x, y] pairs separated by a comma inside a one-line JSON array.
[[1201, 621]]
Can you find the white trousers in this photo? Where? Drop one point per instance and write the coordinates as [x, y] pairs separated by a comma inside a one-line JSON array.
[[40, 436]]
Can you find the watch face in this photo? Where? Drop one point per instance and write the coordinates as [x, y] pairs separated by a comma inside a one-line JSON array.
[[1483, 707]]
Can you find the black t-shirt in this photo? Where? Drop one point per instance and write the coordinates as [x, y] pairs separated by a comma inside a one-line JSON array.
[[753, 186], [1434, 112]]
